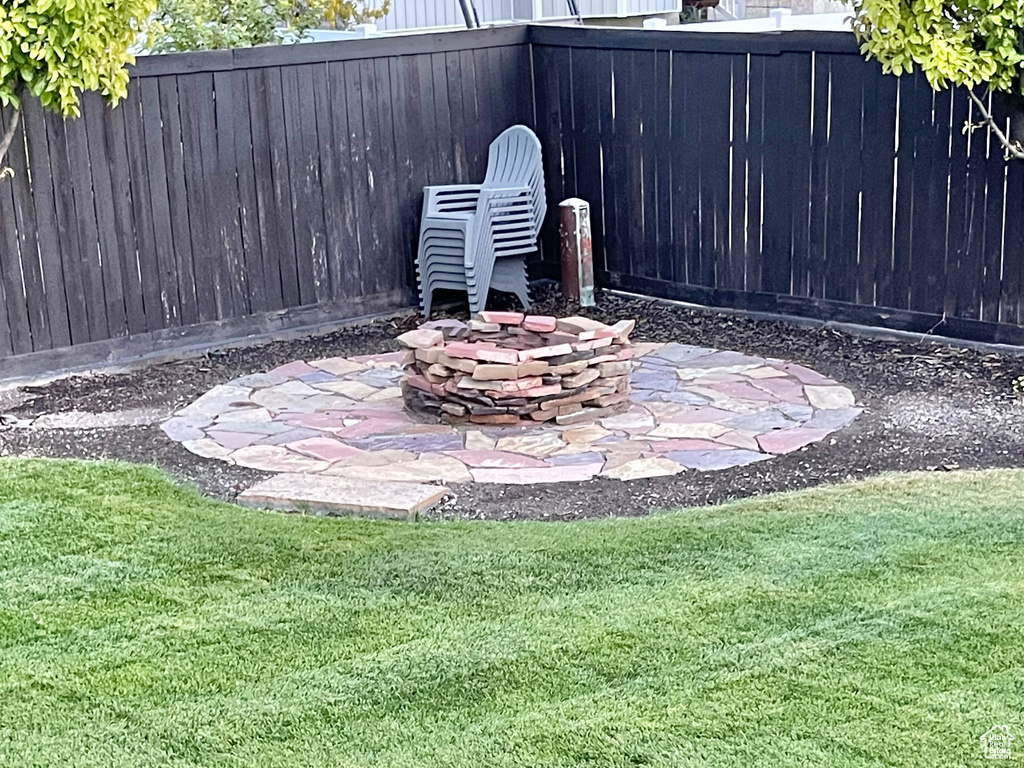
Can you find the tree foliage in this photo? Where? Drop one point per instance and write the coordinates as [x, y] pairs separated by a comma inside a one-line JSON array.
[[193, 25], [960, 42], [55, 49]]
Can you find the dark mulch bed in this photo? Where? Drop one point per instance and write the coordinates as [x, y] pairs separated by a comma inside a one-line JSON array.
[[928, 407]]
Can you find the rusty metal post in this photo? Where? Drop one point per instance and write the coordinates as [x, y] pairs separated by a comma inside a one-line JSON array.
[[577, 251]]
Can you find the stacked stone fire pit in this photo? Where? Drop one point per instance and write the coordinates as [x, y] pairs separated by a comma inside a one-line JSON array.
[[507, 368]]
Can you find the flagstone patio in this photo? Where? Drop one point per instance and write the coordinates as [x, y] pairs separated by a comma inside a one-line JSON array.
[[692, 408]]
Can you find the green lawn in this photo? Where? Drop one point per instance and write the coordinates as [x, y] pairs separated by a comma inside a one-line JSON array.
[[866, 625]]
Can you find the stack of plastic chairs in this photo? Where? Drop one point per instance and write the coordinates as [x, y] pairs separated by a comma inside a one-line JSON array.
[[475, 237]]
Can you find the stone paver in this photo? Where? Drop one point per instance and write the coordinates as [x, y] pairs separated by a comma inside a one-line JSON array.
[[638, 468], [327, 495], [343, 420], [132, 417]]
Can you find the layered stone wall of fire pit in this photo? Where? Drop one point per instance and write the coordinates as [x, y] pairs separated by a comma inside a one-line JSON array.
[[508, 368]]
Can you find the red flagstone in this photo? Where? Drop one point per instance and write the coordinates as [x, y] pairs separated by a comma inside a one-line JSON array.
[[324, 448], [495, 459], [294, 369], [539, 323], [692, 444], [505, 318], [789, 440]]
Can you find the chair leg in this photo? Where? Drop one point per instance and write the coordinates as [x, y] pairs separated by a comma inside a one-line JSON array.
[[523, 292], [426, 298], [510, 277]]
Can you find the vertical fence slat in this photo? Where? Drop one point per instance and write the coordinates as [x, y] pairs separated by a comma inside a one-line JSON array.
[[650, 96], [139, 281], [111, 258], [756, 150], [85, 217], [19, 330], [844, 178], [275, 231], [357, 149], [347, 266], [140, 182], [622, 166], [993, 250], [798, 148], [877, 214], [28, 243], [552, 64], [46, 222], [928, 249], [226, 192], [587, 106], [236, 84]]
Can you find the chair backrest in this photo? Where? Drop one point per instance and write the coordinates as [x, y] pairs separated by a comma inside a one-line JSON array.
[[514, 160]]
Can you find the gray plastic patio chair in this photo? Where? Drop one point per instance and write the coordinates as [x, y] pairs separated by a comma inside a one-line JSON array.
[[474, 237]]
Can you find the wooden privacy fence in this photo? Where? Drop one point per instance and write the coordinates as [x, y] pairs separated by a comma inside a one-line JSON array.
[[241, 192], [232, 188], [783, 173]]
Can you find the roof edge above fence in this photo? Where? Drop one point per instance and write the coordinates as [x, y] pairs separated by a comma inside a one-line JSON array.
[[698, 42], [334, 50]]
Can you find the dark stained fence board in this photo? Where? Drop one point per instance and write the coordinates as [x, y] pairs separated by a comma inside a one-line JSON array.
[[878, 149], [586, 106], [1011, 300], [973, 272], [281, 208], [817, 253], [394, 259], [928, 249], [556, 124], [275, 231], [227, 194], [301, 178], [339, 199], [798, 149], [169, 128], [662, 132], [622, 182], [28, 244], [714, 107], [357, 150], [196, 111], [236, 84], [737, 235], [410, 145], [86, 220], [756, 150], [995, 169], [152, 278], [19, 331], [47, 229], [139, 281], [110, 255], [67, 229], [651, 105], [956, 240]]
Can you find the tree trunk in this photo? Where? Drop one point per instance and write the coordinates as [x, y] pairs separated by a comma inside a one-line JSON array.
[[5, 142]]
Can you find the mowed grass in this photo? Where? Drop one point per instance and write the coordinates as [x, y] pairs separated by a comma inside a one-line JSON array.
[[877, 624]]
